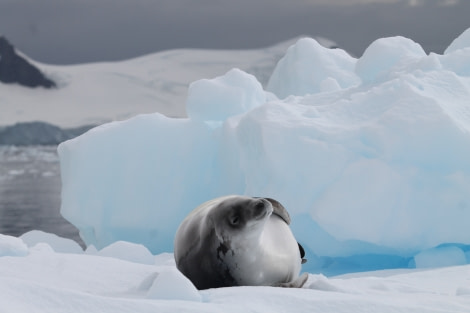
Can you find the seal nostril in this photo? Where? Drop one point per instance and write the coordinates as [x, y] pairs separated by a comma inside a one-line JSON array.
[[259, 209]]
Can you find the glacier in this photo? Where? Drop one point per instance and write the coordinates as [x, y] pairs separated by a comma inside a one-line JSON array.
[[371, 157]]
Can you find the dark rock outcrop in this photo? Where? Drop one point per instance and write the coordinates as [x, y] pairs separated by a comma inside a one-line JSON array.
[[16, 69]]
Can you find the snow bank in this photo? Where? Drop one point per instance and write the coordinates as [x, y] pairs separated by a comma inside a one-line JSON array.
[[370, 156], [58, 244], [47, 281], [12, 246], [171, 284], [127, 251]]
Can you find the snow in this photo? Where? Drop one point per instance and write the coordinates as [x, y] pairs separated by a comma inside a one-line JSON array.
[[127, 251], [373, 166], [56, 243], [171, 284], [65, 282], [12, 246], [91, 94]]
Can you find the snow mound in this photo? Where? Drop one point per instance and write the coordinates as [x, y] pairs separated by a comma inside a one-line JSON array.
[[41, 248], [373, 171], [170, 284], [58, 244], [165, 259], [320, 282], [128, 251], [12, 246]]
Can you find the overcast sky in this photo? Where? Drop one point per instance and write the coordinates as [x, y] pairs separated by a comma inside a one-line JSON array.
[[76, 31]]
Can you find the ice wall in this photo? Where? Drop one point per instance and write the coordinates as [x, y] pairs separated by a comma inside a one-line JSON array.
[[371, 156]]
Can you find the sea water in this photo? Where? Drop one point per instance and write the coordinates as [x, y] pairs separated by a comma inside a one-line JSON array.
[[30, 192]]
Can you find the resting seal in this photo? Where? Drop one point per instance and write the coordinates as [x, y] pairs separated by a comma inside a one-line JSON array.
[[239, 241]]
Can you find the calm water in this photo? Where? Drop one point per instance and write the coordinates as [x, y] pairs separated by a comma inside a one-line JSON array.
[[30, 192]]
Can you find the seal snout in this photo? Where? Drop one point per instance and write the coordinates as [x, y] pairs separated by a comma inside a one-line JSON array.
[[262, 208]]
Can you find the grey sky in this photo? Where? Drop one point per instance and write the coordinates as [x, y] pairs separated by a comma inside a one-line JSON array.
[[76, 31]]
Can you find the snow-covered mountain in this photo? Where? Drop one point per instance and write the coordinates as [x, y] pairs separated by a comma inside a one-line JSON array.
[[101, 92], [15, 68]]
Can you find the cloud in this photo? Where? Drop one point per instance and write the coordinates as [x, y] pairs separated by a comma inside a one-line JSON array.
[[448, 2], [59, 31]]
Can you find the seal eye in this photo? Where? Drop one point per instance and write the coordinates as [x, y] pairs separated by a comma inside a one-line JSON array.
[[235, 220]]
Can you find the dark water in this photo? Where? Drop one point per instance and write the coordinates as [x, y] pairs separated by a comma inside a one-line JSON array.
[[30, 192]]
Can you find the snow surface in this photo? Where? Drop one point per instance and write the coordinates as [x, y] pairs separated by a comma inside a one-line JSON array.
[[370, 156], [41, 280], [91, 94]]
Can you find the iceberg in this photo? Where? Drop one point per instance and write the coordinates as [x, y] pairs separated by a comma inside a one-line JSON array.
[[371, 156]]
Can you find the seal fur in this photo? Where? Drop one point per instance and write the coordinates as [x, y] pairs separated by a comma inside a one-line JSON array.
[[239, 241]]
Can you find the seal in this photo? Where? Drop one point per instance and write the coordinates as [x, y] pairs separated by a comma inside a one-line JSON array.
[[239, 241]]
